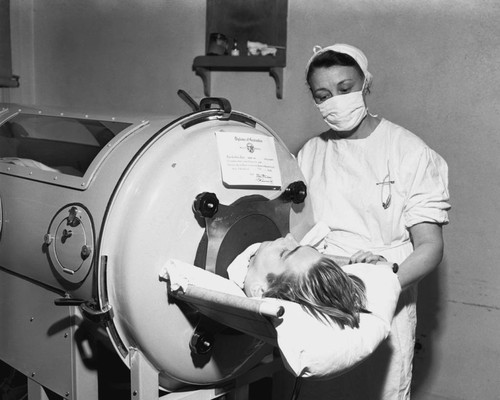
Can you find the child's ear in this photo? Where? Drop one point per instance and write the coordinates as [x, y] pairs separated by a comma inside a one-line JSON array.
[[256, 290]]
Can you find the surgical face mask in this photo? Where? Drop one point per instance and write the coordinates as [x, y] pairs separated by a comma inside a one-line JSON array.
[[344, 112]]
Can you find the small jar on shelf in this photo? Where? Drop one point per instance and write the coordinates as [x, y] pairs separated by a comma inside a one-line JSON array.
[[235, 51]]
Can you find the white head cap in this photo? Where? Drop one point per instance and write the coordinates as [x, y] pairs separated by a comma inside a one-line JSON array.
[[352, 51]]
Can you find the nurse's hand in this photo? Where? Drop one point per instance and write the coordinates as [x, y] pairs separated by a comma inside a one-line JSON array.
[[365, 257]]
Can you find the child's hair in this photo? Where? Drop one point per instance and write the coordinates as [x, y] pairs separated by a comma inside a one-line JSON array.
[[324, 290]]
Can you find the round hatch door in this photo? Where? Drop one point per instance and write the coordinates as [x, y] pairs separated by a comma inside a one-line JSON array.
[[70, 242]]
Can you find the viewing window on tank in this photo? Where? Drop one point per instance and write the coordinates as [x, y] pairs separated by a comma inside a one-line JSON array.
[[58, 144]]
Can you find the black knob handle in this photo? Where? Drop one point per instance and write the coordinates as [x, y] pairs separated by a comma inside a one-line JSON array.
[[201, 342], [206, 204], [296, 192]]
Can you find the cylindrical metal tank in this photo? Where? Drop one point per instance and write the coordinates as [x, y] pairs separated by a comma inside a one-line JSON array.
[[91, 208]]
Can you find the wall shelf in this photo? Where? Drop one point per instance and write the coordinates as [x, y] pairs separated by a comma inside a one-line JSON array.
[[261, 21], [203, 65]]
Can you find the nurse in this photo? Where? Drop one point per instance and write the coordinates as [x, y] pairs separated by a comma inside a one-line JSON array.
[[380, 189]]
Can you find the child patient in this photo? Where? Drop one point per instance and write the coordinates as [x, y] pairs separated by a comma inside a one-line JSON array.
[[285, 270]]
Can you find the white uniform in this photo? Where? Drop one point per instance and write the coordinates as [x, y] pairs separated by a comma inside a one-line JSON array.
[[369, 192]]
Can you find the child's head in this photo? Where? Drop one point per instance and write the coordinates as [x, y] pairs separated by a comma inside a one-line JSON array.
[[273, 258], [323, 290], [283, 269]]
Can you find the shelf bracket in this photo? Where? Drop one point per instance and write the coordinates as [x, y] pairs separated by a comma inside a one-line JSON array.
[[204, 74], [277, 74]]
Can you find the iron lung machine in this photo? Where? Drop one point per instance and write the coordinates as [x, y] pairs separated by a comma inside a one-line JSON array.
[[92, 206]]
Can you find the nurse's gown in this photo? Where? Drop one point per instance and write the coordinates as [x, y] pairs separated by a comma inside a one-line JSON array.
[[369, 192]]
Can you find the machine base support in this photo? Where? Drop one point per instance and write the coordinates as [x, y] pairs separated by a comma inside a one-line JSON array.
[[144, 382], [143, 377], [237, 389]]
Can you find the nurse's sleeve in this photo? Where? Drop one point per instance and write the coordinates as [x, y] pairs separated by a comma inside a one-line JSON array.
[[427, 197], [305, 158]]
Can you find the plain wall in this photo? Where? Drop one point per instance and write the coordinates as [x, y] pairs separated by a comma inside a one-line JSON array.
[[436, 72]]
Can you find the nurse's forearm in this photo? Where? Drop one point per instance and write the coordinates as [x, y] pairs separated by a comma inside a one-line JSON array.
[[418, 264], [428, 253]]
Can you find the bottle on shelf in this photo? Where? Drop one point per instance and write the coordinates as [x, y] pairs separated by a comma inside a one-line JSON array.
[[235, 51]]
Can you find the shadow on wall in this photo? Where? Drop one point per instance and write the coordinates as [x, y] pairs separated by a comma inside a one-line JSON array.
[[430, 299]]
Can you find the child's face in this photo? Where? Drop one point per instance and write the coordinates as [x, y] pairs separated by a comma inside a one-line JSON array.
[[274, 258]]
